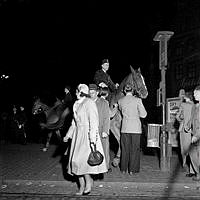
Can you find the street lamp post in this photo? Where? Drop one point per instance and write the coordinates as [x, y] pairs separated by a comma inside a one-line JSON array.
[[162, 37]]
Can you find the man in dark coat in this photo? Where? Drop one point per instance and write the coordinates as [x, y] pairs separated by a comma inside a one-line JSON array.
[[68, 101], [20, 119], [102, 79]]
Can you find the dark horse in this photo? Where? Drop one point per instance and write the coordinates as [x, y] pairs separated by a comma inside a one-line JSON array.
[[55, 117], [137, 80]]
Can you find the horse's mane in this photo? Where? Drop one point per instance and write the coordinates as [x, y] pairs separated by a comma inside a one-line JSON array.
[[136, 79]]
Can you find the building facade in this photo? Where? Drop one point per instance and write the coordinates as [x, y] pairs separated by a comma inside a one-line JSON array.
[[184, 49]]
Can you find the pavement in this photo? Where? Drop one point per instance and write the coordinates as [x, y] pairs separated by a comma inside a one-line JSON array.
[[26, 169]]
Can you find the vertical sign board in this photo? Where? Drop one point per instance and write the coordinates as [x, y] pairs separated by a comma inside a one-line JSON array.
[[173, 105], [163, 53]]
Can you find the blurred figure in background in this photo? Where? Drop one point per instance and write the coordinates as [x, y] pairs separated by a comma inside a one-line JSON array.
[[18, 122], [4, 132], [195, 125], [183, 116]]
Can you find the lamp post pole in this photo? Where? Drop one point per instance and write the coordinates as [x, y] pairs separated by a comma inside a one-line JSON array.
[[162, 37]]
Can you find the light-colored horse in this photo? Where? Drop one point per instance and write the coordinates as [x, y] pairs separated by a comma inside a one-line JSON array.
[[137, 80], [55, 117]]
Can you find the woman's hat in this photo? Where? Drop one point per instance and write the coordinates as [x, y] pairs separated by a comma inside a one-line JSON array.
[[83, 88]]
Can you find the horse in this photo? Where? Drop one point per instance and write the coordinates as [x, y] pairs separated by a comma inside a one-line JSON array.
[[55, 117], [137, 80]]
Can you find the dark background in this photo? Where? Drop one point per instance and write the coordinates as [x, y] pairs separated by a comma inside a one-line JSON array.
[[46, 44]]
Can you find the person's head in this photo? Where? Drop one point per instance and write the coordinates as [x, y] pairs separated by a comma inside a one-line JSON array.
[[181, 94], [21, 108], [197, 93], [14, 109], [93, 91], [67, 88], [188, 96], [82, 91], [105, 64], [128, 88]]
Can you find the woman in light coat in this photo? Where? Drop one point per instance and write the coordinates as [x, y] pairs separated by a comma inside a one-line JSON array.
[[84, 132]]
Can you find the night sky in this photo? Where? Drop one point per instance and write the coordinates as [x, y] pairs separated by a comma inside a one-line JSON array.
[[47, 44]]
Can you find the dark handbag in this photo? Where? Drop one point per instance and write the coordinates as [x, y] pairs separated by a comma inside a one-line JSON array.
[[95, 157]]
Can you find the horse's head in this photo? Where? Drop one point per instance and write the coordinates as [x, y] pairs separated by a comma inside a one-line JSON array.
[[138, 82], [38, 107]]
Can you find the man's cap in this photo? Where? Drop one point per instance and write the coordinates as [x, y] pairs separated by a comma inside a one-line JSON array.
[[105, 61], [83, 88], [93, 87]]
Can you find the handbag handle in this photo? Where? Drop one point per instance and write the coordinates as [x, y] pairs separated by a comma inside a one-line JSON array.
[[93, 150], [93, 142]]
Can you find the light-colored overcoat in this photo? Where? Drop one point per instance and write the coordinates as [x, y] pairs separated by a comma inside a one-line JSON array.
[[84, 129]]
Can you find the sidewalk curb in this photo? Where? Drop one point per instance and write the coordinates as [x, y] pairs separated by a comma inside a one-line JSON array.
[[103, 183]]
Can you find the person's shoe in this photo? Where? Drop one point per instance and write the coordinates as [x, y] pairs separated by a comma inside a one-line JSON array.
[[79, 193], [123, 172], [86, 192], [190, 175], [131, 173]]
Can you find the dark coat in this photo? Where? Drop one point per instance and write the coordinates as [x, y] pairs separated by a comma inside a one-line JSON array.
[[101, 76]]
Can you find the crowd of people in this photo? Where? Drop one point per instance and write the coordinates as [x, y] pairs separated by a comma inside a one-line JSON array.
[[91, 127], [88, 126], [93, 105], [13, 125]]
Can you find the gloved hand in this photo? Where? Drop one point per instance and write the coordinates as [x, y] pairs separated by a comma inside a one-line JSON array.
[[66, 138], [194, 139], [104, 134]]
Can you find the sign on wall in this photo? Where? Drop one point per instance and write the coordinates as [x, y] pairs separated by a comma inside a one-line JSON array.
[[173, 105]]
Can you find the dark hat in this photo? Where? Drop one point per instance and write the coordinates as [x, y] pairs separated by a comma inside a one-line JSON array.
[[128, 87], [68, 87], [105, 61], [93, 87]]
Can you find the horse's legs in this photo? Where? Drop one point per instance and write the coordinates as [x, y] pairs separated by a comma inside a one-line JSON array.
[[115, 124], [58, 133], [47, 141]]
